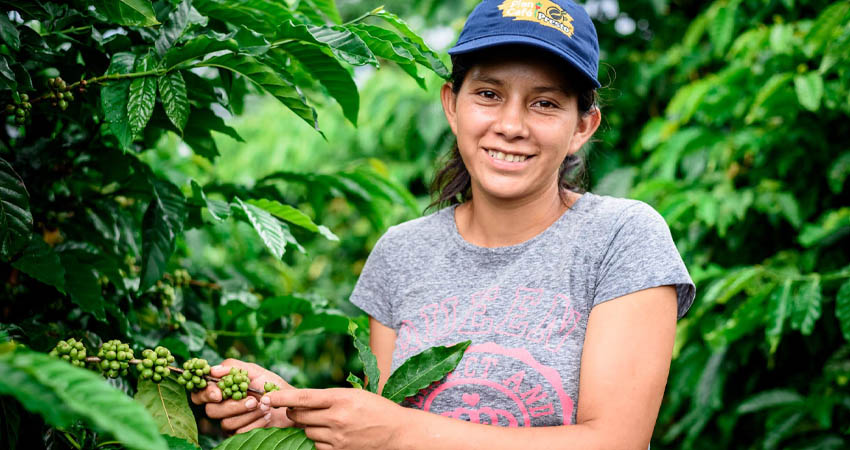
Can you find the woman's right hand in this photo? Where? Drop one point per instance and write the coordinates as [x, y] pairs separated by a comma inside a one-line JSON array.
[[239, 416]]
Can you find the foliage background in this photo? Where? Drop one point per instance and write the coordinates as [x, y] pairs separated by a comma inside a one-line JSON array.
[[729, 117]]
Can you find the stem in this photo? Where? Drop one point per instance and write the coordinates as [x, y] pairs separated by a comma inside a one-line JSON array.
[[365, 16], [69, 30], [71, 440], [104, 444], [177, 370]]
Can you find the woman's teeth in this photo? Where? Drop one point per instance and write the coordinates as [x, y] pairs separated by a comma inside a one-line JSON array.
[[507, 157]]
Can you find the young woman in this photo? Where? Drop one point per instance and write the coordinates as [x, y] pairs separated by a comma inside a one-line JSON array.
[[570, 299]]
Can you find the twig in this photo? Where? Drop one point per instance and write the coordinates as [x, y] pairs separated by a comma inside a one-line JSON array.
[[177, 370]]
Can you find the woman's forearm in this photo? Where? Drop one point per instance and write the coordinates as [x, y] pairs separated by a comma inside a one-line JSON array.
[[425, 430]]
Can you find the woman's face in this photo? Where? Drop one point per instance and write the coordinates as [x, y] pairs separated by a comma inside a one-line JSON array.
[[515, 124]]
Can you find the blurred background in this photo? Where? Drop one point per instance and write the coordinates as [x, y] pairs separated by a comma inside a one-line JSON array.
[[728, 116]]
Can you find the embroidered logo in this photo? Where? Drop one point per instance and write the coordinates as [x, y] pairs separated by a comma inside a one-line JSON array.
[[544, 12]]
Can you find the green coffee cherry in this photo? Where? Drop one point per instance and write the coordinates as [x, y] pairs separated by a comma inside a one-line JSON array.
[[194, 371], [235, 384], [270, 387], [154, 364], [114, 358], [72, 351]]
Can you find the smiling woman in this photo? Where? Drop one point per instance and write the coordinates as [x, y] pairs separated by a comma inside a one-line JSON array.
[[569, 299]]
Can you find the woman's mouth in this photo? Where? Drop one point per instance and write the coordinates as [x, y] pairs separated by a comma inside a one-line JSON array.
[[508, 157]]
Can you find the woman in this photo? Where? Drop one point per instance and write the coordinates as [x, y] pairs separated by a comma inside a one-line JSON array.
[[570, 300]]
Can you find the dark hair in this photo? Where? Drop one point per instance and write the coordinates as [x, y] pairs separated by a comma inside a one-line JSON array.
[[451, 184]]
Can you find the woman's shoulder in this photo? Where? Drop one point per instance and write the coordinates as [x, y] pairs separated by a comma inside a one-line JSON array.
[[426, 230], [615, 212]]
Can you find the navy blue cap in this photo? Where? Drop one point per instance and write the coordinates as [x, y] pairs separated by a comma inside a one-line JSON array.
[[559, 26]]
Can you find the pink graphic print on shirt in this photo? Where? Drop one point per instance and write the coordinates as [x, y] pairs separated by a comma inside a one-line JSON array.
[[495, 384]]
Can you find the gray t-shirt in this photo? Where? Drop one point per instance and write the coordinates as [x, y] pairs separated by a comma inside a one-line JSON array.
[[524, 307]]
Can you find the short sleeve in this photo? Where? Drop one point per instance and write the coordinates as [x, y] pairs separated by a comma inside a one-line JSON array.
[[640, 255], [372, 290]]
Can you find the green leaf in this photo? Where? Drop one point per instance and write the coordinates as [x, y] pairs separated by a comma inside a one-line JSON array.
[[266, 226], [166, 402], [162, 223], [342, 43], [42, 263], [768, 90], [388, 45], [114, 98], [82, 285], [722, 28], [172, 91], [831, 226], [778, 431], [15, 217], [431, 56], [286, 212], [842, 309], [274, 308], [137, 13], [355, 381], [364, 352], [261, 15], [809, 89], [838, 172], [422, 369], [768, 400], [63, 394], [179, 444], [181, 20], [198, 47], [828, 24], [266, 78], [269, 439], [325, 69], [778, 310], [807, 306], [328, 7], [9, 33], [142, 97]]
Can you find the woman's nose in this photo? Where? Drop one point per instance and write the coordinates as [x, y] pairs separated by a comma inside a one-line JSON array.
[[511, 121]]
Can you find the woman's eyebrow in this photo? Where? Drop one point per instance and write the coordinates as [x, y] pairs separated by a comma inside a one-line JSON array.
[[541, 89], [487, 79]]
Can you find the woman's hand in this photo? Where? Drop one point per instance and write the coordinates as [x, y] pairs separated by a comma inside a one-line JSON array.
[[342, 418], [242, 415]]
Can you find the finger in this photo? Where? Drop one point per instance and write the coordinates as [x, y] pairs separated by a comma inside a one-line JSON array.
[[308, 417], [235, 422], [259, 423], [300, 398], [230, 408], [212, 394], [318, 435]]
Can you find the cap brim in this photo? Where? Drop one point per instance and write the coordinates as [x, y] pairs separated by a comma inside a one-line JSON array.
[[495, 41]]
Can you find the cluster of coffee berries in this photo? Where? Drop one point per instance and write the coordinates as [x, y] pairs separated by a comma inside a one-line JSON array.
[[115, 358], [193, 374], [72, 351], [154, 365], [59, 94], [166, 293], [182, 278], [235, 384], [20, 110], [270, 387]]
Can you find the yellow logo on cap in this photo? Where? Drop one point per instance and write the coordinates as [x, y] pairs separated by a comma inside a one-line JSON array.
[[544, 12]]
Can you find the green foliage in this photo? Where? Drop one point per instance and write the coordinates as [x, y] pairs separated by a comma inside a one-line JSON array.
[[421, 370], [269, 439], [166, 402]]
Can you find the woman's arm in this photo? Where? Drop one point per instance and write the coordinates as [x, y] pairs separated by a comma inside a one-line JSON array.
[[382, 341], [625, 362]]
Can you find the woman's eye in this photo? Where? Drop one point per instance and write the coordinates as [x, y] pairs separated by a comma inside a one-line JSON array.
[[546, 104], [487, 94]]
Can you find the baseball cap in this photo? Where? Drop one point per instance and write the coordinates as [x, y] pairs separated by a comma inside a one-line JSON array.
[[560, 26]]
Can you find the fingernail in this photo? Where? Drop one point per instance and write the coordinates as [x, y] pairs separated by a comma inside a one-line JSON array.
[[266, 400], [215, 396], [268, 417], [218, 367], [264, 407], [251, 403]]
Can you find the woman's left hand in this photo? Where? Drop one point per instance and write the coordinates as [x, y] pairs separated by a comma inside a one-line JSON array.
[[342, 418]]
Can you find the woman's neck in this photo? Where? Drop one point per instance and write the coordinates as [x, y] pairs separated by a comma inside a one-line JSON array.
[[489, 222]]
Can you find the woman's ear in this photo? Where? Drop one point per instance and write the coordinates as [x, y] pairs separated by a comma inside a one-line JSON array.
[[449, 99], [585, 128]]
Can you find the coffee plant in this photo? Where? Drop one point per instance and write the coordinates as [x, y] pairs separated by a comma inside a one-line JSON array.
[[95, 236]]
